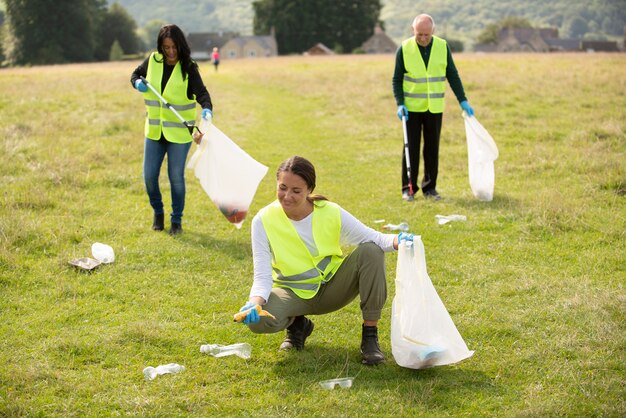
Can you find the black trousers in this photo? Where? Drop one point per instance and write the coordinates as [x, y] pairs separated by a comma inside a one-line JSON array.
[[430, 125]]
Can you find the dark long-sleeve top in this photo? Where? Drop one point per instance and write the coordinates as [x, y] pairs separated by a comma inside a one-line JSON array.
[[194, 86], [452, 75]]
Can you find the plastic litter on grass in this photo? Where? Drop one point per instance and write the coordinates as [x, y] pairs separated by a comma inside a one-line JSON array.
[[444, 219], [344, 383], [152, 372]]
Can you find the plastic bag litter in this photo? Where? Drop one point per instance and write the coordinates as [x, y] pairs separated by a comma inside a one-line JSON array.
[[481, 153], [422, 332], [403, 226], [227, 174], [85, 263], [444, 219], [102, 252]]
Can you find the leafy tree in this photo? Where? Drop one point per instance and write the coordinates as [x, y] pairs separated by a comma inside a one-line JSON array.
[[299, 24], [576, 27], [151, 31], [45, 32], [489, 35], [117, 52], [118, 25], [455, 45]]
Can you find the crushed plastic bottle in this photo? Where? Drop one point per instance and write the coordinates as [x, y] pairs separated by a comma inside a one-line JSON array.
[[345, 382], [444, 219], [102, 252], [152, 372], [242, 350], [404, 227]]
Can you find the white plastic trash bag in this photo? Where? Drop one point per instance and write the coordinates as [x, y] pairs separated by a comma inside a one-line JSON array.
[[481, 153], [422, 332], [227, 174]]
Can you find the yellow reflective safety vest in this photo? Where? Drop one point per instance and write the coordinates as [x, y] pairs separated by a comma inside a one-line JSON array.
[[158, 117], [423, 86], [294, 267]]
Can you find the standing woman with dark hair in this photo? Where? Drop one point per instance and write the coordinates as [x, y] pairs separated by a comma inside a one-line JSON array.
[[300, 269], [172, 72]]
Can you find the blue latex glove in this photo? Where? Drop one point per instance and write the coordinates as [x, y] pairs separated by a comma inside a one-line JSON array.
[[468, 109], [141, 86], [207, 114], [405, 236], [402, 111], [253, 315]]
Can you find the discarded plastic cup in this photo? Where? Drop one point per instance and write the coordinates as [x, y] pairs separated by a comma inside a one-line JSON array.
[[444, 219], [344, 382], [242, 350], [152, 372], [400, 227], [102, 252]]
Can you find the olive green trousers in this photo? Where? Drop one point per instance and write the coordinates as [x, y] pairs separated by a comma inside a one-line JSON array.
[[362, 273]]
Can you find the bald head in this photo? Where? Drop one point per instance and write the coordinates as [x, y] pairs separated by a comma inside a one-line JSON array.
[[423, 28]]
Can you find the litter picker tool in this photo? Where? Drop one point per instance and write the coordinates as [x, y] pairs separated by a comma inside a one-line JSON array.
[[406, 156], [170, 107], [240, 316]]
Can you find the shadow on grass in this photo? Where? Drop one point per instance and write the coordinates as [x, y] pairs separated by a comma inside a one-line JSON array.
[[237, 249], [434, 385], [500, 201]]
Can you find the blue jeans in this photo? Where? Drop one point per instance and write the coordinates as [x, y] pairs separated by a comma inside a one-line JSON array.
[[154, 152]]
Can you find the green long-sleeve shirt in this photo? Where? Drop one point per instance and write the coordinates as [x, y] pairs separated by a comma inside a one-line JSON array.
[[452, 75]]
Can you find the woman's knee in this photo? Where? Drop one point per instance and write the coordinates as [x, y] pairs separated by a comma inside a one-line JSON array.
[[371, 251]]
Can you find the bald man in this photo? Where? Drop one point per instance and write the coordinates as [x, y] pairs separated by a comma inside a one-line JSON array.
[[423, 64]]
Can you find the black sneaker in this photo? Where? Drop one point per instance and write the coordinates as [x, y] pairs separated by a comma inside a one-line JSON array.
[[297, 333], [157, 223], [370, 350], [432, 194], [176, 229]]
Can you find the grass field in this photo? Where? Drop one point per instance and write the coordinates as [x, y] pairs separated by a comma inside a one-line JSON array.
[[534, 280]]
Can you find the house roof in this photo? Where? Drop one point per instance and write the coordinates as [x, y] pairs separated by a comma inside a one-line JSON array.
[[607, 46], [564, 44], [267, 42], [320, 48], [205, 41]]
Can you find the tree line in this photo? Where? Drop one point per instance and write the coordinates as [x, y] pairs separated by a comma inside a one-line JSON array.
[[37, 32]]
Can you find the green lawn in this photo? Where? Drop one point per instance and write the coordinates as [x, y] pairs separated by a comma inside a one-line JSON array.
[[534, 280]]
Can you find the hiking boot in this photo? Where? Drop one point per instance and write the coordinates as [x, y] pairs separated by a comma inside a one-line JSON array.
[[432, 194], [176, 229], [370, 350], [297, 333], [157, 223]]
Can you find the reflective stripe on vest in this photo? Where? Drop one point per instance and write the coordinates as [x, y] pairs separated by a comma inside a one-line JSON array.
[[424, 87], [294, 267], [159, 117]]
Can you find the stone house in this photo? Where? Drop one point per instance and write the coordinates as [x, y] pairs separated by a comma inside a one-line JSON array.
[[249, 47], [319, 49], [379, 43], [202, 43], [525, 39]]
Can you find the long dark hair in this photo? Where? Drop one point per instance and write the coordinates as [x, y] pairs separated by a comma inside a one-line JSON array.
[[304, 169], [182, 47]]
